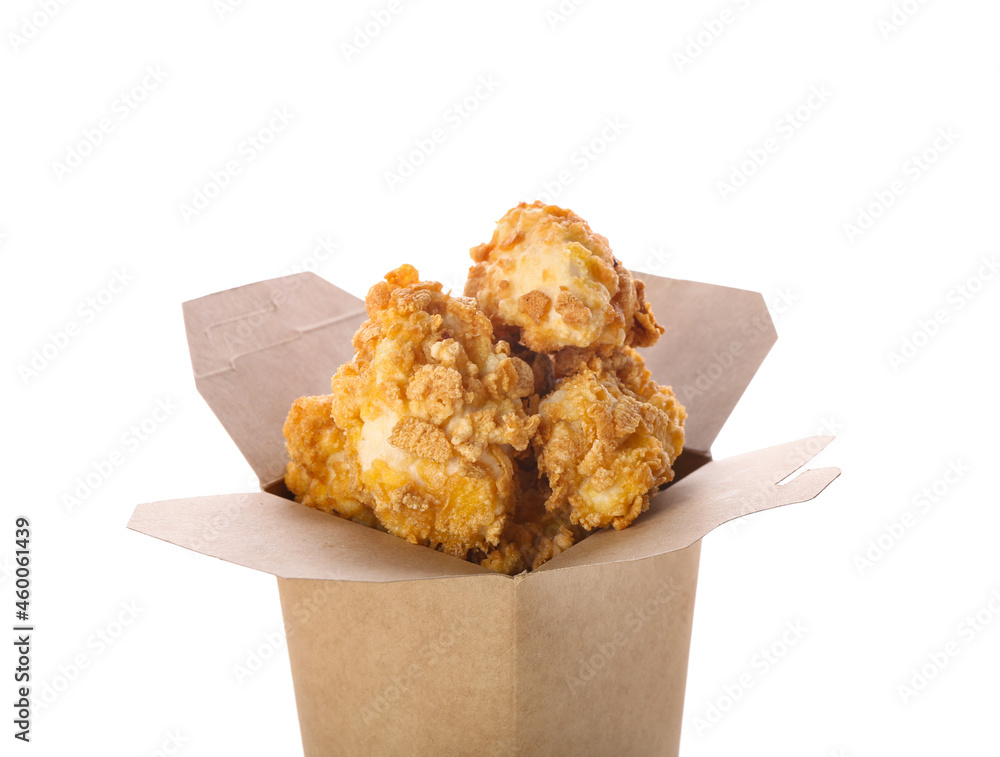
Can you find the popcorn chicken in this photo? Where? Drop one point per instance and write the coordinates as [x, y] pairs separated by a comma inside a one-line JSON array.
[[505, 428], [547, 275], [430, 412], [609, 435]]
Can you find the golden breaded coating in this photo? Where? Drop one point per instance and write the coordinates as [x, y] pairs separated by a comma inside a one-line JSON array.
[[541, 370], [625, 363], [609, 435], [320, 473], [533, 535], [504, 426], [431, 411], [547, 274]]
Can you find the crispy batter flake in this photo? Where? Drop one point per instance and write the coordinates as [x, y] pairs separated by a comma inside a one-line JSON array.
[[421, 438]]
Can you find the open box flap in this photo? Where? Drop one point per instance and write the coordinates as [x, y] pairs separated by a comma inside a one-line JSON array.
[[257, 348], [716, 493], [715, 340], [275, 535]]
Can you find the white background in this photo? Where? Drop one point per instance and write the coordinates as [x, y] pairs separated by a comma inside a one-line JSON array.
[[842, 303]]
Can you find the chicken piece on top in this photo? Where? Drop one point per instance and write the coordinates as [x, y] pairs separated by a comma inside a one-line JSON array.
[[431, 411], [547, 274], [609, 435]]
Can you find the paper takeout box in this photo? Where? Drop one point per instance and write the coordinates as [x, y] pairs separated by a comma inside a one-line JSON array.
[[398, 649]]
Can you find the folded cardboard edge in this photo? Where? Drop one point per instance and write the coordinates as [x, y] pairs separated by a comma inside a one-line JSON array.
[[716, 493], [278, 536]]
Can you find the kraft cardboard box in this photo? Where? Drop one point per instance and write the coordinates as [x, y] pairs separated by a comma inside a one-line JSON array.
[[399, 649]]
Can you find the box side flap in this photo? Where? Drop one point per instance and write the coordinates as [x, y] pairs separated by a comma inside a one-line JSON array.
[[715, 340], [257, 348], [606, 634], [714, 494], [289, 540]]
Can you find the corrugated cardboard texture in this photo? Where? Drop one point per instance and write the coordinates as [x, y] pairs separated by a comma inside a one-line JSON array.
[[586, 662], [275, 535]]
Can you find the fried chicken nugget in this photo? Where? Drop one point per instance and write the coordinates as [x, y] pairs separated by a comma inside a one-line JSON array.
[[609, 435], [431, 411], [547, 274], [320, 473]]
